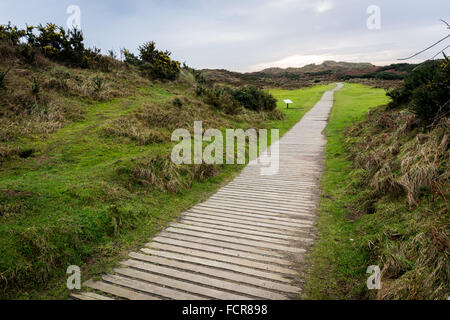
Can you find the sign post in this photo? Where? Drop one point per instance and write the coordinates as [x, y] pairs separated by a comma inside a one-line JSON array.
[[288, 102]]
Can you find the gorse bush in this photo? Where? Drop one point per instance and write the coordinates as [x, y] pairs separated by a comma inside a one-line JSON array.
[[154, 63], [426, 91], [11, 34], [67, 46], [54, 43]]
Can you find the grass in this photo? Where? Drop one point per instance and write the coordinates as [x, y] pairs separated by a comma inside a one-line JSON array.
[[366, 218], [334, 260], [302, 99], [70, 198]]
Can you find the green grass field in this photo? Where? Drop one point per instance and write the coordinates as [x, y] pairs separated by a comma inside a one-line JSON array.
[[72, 207], [335, 262]]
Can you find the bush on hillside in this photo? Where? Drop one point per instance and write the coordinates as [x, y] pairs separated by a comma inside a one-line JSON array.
[[11, 34], [54, 43], [399, 67], [426, 91], [379, 75], [255, 99], [231, 100], [154, 63]]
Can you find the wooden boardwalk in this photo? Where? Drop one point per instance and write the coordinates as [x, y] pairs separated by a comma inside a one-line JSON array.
[[246, 242]]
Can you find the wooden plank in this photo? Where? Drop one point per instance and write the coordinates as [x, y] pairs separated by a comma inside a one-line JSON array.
[[264, 245], [267, 229], [217, 264], [261, 209], [222, 244], [280, 195], [221, 250], [234, 290], [220, 257], [89, 296], [276, 221], [244, 217], [242, 221], [275, 216], [265, 206], [217, 273], [241, 229], [272, 187], [235, 234], [150, 288], [266, 198], [277, 185], [168, 281], [291, 197], [118, 291]]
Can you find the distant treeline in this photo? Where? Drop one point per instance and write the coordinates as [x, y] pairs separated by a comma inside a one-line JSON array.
[[391, 72]]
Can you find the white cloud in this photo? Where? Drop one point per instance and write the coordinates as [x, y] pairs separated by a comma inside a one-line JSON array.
[[324, 6]]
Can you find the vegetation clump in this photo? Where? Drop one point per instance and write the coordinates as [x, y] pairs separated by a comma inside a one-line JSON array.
[[426, 91], [55, 43], [154, 63], [233, 100]]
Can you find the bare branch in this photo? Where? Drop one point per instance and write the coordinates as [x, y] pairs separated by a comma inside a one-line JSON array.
[[440, 52], [448, 25], [432, 46]]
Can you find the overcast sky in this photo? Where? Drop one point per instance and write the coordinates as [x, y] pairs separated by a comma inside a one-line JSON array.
[[249, 35]]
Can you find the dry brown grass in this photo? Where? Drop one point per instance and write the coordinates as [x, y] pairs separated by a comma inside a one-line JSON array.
[[159, 173], [130, 128], [162, 174], [405, 174], [394, 162], [58, 93]]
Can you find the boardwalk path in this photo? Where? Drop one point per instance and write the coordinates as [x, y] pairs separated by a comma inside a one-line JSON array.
[[246, 242]]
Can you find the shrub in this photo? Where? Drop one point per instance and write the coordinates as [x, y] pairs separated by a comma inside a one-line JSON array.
[[54, 43], [255, 99], [11, 34], [35, 87], [426, 90], [177, 102], [154, 63], [157, 64], [98, 83], [383, 75], [130, 58], [232, 100], [28, 54], [198, 75]]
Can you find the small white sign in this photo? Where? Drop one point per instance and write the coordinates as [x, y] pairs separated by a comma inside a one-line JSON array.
[[288, 101]]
